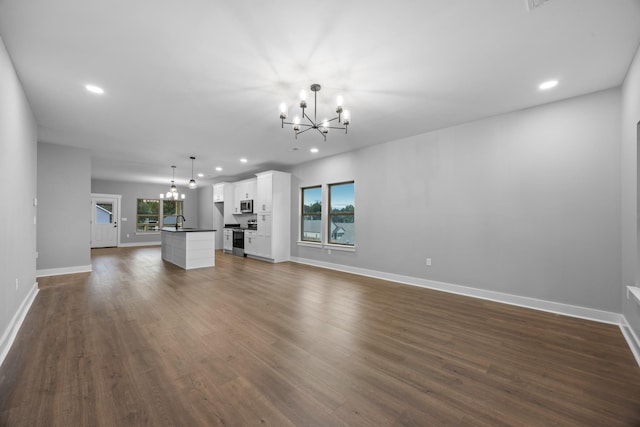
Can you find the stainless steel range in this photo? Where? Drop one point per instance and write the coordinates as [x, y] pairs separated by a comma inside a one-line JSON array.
[[238, 241]]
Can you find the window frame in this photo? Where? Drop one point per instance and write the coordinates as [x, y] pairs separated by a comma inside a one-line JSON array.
[[160, 222], [303, 214], [330, 214], [325, 243]]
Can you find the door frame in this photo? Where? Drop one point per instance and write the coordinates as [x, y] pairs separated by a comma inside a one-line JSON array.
[[118, 197]]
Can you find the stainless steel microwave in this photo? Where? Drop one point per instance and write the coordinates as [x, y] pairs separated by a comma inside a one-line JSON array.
[[246, 206]]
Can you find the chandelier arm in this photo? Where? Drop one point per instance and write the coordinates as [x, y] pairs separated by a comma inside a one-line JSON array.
[[309, 118], [335, 127], [302, 131], [299, 124]]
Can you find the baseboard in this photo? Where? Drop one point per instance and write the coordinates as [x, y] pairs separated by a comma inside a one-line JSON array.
[[10, 333], [533, 303], [134, 244], [63, 270], [632, 339]]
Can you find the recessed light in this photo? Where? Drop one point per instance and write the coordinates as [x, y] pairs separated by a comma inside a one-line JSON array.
[[314, 150], [94, 89], [243, 160], [548, 84], [200, 175], [218, 168]]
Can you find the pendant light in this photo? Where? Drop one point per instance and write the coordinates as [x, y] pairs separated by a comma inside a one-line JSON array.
[[192, 183]]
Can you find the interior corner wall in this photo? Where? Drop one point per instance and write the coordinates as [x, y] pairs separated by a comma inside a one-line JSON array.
[[130, 192], [64, 206], [629, 190], [18, 146], [525, 203]]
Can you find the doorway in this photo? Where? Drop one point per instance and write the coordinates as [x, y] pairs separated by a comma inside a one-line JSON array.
[[105, 216]]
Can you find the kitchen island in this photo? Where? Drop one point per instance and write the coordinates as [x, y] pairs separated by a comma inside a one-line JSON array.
[[189, 247]]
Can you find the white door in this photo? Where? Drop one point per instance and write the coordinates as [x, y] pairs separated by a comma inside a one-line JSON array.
[[104, 221]]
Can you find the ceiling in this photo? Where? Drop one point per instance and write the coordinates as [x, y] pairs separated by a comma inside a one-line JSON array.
[[205, 78]]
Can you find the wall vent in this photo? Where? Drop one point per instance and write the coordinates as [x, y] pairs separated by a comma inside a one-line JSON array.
[[533, 4]]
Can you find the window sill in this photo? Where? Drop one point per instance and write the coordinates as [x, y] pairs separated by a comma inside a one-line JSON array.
[[309, 244], [147, 233], [343, 248]]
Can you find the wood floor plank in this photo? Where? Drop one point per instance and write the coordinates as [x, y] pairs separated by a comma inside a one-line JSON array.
[[141, 342]]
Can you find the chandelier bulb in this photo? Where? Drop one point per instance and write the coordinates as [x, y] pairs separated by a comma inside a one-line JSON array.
[[283, 111]]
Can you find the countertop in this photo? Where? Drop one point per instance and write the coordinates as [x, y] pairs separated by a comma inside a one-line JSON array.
[[186, 230]]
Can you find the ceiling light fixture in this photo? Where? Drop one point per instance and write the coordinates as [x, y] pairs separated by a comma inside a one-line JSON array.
[[173, 190], [243, 160], [94, 89], [322, 127], [314, 150], [192, 182], [548, 85], [218, 168]]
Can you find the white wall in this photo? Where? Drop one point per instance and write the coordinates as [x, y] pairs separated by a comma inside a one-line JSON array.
[[525, 203], [629, 190], [64, 197], [131, 192], [18, 145]]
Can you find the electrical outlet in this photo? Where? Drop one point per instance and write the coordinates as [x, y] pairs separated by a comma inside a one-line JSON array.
[[428, 262], [17, 283], [127, 236], [328, 251]]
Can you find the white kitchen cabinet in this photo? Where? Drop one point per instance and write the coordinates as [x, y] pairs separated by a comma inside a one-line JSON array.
[[264, 193], [244, 190], [274, 218], [227, 244], [218, 192], [265, 235], [250, 242]]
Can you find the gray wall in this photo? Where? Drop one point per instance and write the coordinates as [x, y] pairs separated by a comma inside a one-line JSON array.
[[525, 203], [205, 206], [64, 229], [629, 190], [18, 145], [130, 192]]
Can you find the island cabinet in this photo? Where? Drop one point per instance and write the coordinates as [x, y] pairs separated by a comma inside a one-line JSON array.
[[189, 248], [273, 197]]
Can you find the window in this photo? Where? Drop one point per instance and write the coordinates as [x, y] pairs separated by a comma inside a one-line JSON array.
[[311, 227], [149, 217], [170, 211], [341, 214]]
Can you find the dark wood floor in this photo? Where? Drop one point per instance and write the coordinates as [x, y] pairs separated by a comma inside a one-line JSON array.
[[141, 342]]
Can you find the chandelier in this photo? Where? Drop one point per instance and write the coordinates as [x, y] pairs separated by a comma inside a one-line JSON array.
[[323, 126], [173, 190]]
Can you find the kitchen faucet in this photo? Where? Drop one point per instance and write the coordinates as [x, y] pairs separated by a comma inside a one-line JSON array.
[[183, 220]]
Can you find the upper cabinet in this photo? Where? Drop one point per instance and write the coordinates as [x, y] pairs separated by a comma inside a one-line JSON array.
[[244, 190], [264, 196], [218, 191]]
